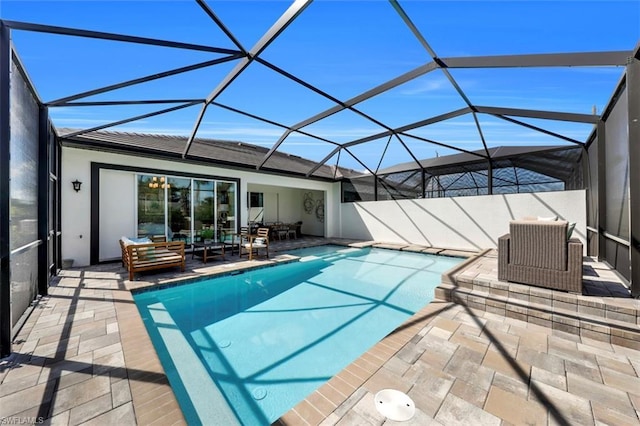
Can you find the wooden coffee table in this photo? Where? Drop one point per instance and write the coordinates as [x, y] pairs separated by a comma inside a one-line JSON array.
[[208, 250]]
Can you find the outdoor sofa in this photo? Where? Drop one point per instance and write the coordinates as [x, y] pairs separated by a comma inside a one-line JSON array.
[[539, 253], [144, 255]]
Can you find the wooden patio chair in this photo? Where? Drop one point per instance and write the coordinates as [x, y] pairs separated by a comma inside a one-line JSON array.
[[256, 242]]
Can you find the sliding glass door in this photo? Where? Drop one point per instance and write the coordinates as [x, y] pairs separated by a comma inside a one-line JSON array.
[[180, 208]]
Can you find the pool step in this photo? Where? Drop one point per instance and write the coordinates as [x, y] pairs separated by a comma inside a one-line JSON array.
[[611, 320]]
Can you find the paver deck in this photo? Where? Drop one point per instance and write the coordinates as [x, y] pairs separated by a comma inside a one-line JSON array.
[[83, 357]]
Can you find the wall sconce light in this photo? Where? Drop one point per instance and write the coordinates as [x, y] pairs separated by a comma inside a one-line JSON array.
[[76, 185]]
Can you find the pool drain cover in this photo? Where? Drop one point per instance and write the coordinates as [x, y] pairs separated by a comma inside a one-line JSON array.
[[395, 405], [259, 393]]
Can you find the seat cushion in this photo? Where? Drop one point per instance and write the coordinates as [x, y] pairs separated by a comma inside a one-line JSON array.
[[254, 245]]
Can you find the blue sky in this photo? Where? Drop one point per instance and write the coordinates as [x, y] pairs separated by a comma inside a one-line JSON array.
[[343, 48]]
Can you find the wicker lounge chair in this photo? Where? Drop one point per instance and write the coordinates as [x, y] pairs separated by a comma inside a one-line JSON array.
[[538, 253]]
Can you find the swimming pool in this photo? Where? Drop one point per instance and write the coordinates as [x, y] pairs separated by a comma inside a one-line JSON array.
[[246, 348]]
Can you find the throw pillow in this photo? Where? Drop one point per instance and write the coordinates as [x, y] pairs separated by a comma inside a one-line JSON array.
[[142, 240], [144, 253], [570, 228]]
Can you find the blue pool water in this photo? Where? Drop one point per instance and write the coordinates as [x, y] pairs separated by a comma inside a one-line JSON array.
[[246, 348]]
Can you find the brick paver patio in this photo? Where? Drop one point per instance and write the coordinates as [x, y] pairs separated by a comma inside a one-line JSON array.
[[83, 357]]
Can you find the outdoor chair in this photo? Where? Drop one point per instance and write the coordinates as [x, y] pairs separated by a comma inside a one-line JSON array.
[[257, 241], [292, 231], [538, 253], [280, 231], [243, 238]]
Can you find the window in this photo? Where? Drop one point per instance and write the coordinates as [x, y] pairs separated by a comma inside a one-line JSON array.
[[256, 207]]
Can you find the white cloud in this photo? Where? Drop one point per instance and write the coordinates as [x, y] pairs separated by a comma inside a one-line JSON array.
[[79, 122], [425, 86]]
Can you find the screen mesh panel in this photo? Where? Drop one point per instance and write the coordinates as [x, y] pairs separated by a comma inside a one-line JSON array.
[[396, 186], [360, 189], [23, 193], [537, 171]]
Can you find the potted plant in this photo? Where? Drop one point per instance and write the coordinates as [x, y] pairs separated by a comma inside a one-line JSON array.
[[207, 235]]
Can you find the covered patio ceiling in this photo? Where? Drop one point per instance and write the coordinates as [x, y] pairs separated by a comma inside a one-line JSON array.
[[360, 85]]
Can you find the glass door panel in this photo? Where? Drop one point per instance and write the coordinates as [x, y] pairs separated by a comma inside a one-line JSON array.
[[179, 200], [203, 207], [151, 206], [226, 207]]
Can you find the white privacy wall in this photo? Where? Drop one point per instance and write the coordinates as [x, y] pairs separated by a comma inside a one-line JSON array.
[[470, 223]]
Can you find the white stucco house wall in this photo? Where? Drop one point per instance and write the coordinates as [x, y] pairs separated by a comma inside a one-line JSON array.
[[115, 211]]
